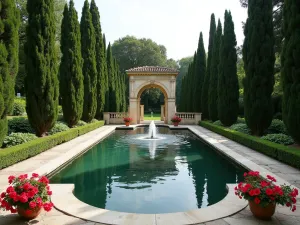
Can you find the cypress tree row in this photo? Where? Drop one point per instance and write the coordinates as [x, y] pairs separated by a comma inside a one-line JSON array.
[[199, 74], [290, 73], [117, 86], [205, 89], [111, 81], [41, 82], [88, 43], [100, 60], [71, 77], [214, 73], [228, 86], [259, 59]]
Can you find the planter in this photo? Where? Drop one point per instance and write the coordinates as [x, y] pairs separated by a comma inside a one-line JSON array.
[[263, 213], [175, 124], [127, 124], [31, 214]]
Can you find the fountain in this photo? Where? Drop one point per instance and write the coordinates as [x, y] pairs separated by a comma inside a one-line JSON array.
[[152, 131]]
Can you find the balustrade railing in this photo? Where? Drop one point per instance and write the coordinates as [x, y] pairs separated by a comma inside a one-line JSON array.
[[114, 117], [188, 118]]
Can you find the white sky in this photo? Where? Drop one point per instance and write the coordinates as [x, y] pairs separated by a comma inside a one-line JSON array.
[[176, 24]]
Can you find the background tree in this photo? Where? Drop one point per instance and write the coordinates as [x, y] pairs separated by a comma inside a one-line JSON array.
[[41, 66], [199, 74], [259, 58], [112, 102], [228, 86], [205, 89], [214, 74], [71, 78], [89, 70], [290, 73]]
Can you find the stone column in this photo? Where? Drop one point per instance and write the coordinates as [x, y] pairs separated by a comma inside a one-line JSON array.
[[162, 113], [133, 110], [171, 109]]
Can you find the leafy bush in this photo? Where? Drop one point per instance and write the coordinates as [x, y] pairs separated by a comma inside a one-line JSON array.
[[282, 139], [218, 123], [19, 125], [58, 127], [17, 139], [60, 111], [94, 121], [277, 127], [283, 153], [19, 107], [81, 123], [12, 155], [241, 120], [241, 127]]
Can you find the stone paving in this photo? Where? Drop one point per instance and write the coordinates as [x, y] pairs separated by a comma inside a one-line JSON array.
[[283, 215]]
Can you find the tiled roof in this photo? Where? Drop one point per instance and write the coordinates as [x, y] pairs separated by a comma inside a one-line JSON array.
[[153, 69]]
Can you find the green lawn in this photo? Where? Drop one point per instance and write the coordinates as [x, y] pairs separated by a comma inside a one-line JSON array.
[[156, 116]]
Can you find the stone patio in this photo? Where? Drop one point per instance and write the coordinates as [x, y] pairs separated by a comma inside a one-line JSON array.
[[42, 164]]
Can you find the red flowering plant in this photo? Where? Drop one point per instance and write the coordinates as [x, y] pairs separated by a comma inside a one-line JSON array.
[[26, 193], [265, 191], [176, 119], [127, 119]]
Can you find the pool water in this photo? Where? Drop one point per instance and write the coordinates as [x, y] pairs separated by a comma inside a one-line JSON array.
[[127, 173]]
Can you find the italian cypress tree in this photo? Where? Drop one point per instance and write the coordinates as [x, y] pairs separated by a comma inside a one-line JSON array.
[[290, 73], [71, 78], [214, 73], [100, 60], [228, 85], [4, 72], [199, 74], [111, 80], [106, 105], [41, 82], [259, 59], [117, 86], [205, 89], [88, 43]]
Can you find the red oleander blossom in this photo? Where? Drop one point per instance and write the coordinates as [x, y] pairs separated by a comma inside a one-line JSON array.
[[26, 193], [176, 119], [264, 191]]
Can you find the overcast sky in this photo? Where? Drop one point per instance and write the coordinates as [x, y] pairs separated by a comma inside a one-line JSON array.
[[176, 24]]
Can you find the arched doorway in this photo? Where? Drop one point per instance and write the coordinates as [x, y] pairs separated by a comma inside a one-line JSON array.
[[142, 78]]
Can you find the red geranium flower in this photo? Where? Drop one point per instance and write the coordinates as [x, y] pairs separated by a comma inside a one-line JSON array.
[[257, 200], [269, 191]]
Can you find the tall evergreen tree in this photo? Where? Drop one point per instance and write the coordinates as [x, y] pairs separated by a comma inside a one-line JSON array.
[[88, 43], [111, 80], [205, 89], [259, 59], [200, 70], [71, 78], [106, 81], [100, 60], [290, 73], [4, 72], [41, 83], [228, 84], [214, 73], [117, 86]]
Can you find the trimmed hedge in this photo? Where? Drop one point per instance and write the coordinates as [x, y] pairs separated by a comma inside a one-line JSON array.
[[12, 155], [288, 155]]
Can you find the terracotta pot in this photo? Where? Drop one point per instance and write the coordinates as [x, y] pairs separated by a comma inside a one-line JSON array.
[[263, 213], [127, 124], [29, 216], [175, 124]]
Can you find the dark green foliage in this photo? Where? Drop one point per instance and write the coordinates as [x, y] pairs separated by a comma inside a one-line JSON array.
[[18, 138], [228, 84], [282, 139], [213, 76], [259, 59], [100, 60], [58, 127], [285, 154], [241, 106], [218, 123], [277, 127], [290, 73], [199, 74], [89, 70], [3, 73], [71, 77], [241, 127], [111, 81], [206, 84], [19, 125], [10, 156], [41, 82]]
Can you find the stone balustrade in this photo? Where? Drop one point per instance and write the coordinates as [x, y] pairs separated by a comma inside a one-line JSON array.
[[114, 117], [189, 118]]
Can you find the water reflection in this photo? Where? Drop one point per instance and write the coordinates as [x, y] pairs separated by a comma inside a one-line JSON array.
[[123, 173]]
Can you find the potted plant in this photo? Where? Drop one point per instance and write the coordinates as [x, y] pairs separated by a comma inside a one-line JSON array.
[[176, 120], [264, 194], [127, 121], [27, 196]]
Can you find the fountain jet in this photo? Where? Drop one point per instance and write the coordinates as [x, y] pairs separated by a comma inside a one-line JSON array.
[[152, 130]]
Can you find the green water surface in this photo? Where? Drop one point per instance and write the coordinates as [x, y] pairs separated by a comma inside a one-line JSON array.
[[127, 173]]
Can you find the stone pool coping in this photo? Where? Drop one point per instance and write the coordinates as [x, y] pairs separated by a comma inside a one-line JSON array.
[[65, 201]]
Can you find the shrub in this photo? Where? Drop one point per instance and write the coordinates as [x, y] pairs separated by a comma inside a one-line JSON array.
[[81, 123], [218, 123], [282, 139], [241, 127], [17, 139], [94, 121], [60, 111], [58, 127], [19, 125], [241, 120], [277, 127], [19, 107]]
